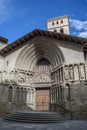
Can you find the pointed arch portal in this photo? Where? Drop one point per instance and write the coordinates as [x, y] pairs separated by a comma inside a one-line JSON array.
[[40, 57], [40, 48]]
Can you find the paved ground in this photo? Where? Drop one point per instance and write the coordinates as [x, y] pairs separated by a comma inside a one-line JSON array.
[[68, 125]]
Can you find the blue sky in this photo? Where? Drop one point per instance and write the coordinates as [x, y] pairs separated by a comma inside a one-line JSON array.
[[18, 17]]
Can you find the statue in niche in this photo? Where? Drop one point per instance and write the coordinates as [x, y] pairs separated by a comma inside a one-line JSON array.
[[71, 72], [28, 79], [81, 70], [76, 72], [66, 73]]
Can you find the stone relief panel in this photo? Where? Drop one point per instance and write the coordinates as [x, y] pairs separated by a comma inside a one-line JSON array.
[[11, 77], [75, 72], [29, 78], [42, 78], [21, 77], [16, 77], [24, 78], [5, 78]]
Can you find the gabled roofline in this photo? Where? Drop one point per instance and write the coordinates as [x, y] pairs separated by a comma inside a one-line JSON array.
[[45, 33], [4, 40]]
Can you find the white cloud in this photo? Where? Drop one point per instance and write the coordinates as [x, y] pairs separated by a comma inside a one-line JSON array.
[[4, 10], [83, 34], [78, 24], [7, 10], [80, 27]]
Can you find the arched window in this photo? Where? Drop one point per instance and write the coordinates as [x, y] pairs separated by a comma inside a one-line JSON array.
[[61, 30], [55, 30], [85, 56], [10, 94], [57, 22], [52, 23], [61, 21]]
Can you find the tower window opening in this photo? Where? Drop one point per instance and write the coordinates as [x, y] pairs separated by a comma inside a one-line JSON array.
[[61, 21], [61, 30], [55, 30], [57, 22], [52, 23]]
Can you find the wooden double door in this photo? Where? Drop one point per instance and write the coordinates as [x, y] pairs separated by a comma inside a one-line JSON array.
[[42, 99]]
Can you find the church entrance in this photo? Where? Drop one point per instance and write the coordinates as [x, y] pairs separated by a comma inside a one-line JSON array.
[[42, 99], [42, 84]]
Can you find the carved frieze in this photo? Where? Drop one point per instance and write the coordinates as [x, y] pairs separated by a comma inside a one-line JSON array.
[[42, 78]]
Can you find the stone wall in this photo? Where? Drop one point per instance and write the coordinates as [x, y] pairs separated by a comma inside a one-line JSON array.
[[71, 91]]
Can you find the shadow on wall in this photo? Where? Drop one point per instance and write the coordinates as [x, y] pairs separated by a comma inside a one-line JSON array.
[[6, 108]]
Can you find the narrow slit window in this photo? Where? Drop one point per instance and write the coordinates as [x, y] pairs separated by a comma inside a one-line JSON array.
[[61, 30], [52, 23], [61, 21]]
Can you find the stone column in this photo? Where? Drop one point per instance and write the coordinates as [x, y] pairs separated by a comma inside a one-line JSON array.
[[13, 94], [51, 95], [27, 97], [64, 94]]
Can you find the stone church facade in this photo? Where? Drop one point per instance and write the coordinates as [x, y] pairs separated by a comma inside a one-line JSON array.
[[45, 69]]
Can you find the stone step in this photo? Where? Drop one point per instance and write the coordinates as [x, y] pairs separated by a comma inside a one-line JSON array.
[[21, 119], [34, 121], [44, 114], [43, 117], [37, 116]]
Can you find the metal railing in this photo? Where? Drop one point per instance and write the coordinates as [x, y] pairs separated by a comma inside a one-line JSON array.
[[63, 111]]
